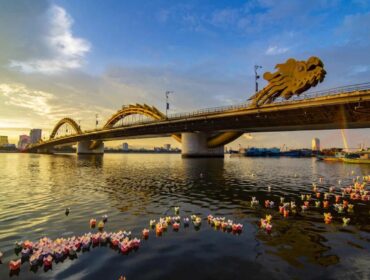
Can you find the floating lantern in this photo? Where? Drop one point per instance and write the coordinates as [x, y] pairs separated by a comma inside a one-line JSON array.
[[282, 200], [92, 223], [268, 218], [325, 203], [175, 226], [267, 203], [197, 222], [281, 209], [105, 218], [177, 210], [25, 252], [67, 211], [34, 260], [101, 225], [237, 228], [286, 213], [350, 207], [152, 223], [318, 195], [337, 198], [263, 223], [345, 203], [345, 221], [48, 261], [145, 233], [186, 222], [17, 246], [158, 229], [254, 202], [327, 218], [317, 203], [268, 228], [15, 265]]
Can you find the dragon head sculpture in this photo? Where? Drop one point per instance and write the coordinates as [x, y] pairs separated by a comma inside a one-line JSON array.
[[291, 78]]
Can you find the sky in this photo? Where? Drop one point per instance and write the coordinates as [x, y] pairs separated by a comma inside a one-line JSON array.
[[81, 58]]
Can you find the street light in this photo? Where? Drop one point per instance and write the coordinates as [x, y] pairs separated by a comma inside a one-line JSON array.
[[167, 103], [96, 121], [256, 67]]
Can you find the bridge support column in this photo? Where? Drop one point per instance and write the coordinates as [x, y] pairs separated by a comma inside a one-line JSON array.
[[83, 148], [194, 144]]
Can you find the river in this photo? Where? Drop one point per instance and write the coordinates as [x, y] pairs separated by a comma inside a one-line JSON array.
[[131, 189]]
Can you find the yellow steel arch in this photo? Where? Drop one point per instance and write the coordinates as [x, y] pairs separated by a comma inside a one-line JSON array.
[[69, 121], [137, 109]]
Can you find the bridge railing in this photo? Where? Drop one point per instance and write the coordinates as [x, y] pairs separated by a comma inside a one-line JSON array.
[[308, 95], [328, 92]]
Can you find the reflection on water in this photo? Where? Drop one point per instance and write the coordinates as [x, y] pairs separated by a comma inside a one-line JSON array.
[[131, 189]]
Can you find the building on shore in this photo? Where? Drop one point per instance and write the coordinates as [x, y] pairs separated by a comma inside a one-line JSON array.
[[35, 135], [23, 141], [167, 147], [316, 145], [4, 141], [125, 147]]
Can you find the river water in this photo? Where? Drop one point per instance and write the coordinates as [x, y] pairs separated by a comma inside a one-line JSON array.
[[134, 188]]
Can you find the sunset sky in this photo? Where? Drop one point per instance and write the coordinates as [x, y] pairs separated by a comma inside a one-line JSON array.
[[81, 58]]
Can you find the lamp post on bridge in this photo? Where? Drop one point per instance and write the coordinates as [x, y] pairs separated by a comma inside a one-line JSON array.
[[96, 121], [167, 103], [256, 76]]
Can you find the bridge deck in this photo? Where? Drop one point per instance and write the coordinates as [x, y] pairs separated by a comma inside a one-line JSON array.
[[341, 110]]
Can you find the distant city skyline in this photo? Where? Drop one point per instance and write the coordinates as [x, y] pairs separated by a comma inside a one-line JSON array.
[[77, 61]]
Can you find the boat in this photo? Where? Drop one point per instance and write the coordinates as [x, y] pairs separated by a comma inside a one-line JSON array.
[[363, 158], [359, 157], [260, 152]]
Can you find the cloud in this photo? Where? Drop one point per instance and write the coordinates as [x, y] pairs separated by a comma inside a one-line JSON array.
[[274, 50], [20, 96], [65, 51]]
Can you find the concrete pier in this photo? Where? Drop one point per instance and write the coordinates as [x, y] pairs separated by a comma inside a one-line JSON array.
[[83, 148], [194, 144]]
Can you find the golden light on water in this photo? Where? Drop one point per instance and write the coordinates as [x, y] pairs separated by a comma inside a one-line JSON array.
[[345, 143]]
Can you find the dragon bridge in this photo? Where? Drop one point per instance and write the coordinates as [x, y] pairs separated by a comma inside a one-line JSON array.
[[292, 77]]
